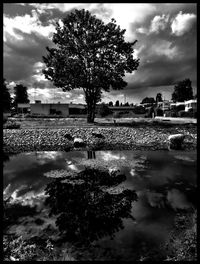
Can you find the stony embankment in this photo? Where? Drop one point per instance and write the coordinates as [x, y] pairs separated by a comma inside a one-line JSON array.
[[107, 138]]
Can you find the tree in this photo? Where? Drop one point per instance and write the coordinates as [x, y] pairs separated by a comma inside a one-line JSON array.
[[89, 55], [182, 91], [117, 103], [110, 103], [148, 100], [159, 97], [21, 95], [84, 208], [126, 104], [6, 97]]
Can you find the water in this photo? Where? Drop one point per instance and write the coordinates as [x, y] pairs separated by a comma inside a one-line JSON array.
[[165, 182]]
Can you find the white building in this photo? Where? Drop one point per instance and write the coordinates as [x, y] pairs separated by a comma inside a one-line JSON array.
[[191, 105], [164, 105]]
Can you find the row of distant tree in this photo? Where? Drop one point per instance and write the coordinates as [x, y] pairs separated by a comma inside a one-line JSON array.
[[20, 96], [182, 92]]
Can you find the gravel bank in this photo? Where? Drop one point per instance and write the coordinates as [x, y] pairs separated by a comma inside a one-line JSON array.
[[114, 138]]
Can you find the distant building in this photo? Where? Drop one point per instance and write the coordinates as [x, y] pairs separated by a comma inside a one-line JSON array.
[[164, 105], [191, 105], [121, 108], [23, 108], [64, 110], [49, 109]]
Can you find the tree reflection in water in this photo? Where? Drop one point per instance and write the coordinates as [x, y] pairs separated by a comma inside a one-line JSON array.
[[91, 154], [89, 204]]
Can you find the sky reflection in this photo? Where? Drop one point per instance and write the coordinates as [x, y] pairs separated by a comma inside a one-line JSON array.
[[164, 181]]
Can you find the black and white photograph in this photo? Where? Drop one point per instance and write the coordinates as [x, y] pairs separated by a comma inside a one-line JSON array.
[[99, 131]]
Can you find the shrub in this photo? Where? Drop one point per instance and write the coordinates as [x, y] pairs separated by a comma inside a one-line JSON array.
[[104, 110], [159, 112], [139, 110], [182, 244], [5, 119], [17, 249], [116, 114], [11, 125], [182, 113]]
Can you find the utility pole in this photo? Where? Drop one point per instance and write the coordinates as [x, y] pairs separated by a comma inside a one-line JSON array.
[[124, 98]]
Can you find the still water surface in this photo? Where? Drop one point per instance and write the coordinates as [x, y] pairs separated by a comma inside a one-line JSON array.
[[165, 182]]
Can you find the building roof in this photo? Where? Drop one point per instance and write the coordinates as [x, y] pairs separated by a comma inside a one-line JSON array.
[[191, 101], [80, 106], [122, 107], [23, 105]]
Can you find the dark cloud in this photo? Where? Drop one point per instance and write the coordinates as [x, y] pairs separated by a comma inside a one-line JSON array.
[[32, 46], [14, 9], [165, 58]]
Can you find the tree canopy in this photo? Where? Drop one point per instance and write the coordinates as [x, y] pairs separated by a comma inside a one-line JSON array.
[[117, 103], [182, 91], [6, 97], [89, 55], [21, 95], [148, 100], [159, 97]]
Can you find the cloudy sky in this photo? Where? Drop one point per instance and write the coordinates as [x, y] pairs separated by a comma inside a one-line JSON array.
[[167, 47]]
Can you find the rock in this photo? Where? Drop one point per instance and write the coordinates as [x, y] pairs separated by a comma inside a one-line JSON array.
[[78, 142], [97, 135], [68, 136], [115, 170], [176, 141]]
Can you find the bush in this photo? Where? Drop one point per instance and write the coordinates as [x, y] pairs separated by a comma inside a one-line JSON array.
[[11, 125], [174, 114], [139, 110], [5, 119], [17, 249], [182, 113], [182, 244], [159, 112], [104, 110], [116, 115]]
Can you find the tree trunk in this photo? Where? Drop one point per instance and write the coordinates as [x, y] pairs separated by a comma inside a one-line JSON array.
[[91, 111], [91, 100]]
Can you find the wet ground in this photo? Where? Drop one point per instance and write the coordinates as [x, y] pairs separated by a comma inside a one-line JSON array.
[[165, 183]]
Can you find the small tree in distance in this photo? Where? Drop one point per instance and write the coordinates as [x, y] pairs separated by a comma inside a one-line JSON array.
[[159, 97], [21, 95], [148, 100], [182, 91], [117, 103], [6, 98], [89, 55]]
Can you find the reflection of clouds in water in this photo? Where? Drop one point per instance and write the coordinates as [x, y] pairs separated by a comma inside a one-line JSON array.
[[30, 198], [109, 156], [185, 158], [132, 172], [177, 199], [44, 156], [8, 192], [73, 167], [155, 199]]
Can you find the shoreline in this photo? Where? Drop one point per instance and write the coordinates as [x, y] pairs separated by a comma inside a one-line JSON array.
[[95, 138]]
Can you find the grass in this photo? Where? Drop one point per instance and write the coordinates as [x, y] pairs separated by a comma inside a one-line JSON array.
[[99, 122]]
